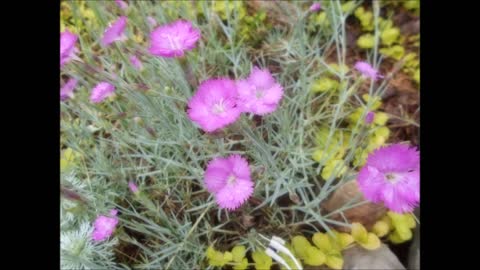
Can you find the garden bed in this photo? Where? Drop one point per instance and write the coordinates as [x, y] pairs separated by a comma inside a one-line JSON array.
[[192, 132]]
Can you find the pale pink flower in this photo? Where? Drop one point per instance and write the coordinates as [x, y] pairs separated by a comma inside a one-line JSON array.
[[104, 226], [136, 62], [133, 187], [229, 180], [367, 70], [392, 175], [259, 93], [121, 4], [66, 91], [172, 40], [315, 7], [214, 106], [115, 32], [151, 21], [67, 47], [101, 91]]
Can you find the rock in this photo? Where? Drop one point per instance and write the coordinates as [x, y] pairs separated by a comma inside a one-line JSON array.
[[367, 214], [381, 258], [414, 253]]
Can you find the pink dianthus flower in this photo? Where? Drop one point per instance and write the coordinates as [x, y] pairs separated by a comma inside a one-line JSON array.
[[229, 180], [392, 175], [367, 70], [105, 226], [259, 93], [101, 91], [67, 46], [115, 31], [173, 39], [121, 4], [315, 7], [214, 104], [66, 91]]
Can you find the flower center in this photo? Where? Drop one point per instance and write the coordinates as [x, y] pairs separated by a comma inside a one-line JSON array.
[[231, 179], [259, 94], [173, 42], [392, 178], [219, 107]]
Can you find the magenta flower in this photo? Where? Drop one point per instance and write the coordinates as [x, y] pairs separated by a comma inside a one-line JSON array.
[[133, 187], [121, 4], [101, 91], [114, 32], [151, 21], [214, 104], [367, 70], [136, 62], [259, 93], [67, 46], [172, 40], [105, 226], [369, 117], [66, 91], [315, 7], [392, 176], [229, 180]]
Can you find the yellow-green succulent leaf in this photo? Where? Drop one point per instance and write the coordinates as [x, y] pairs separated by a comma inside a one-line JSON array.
[[334, 261], [373, 242], [318, 155], [344, 239], [396, 52], [381, 228], [380, 118], [404, 232], [376, 101], [348, 6], [299, 245], [410, 220], [390, 35], [262, 260], [241, 265], [366, 41], [322, 241], [395, 238], [314, 256], [238, 253], [227, 256], [324, 84], [359, 233]]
